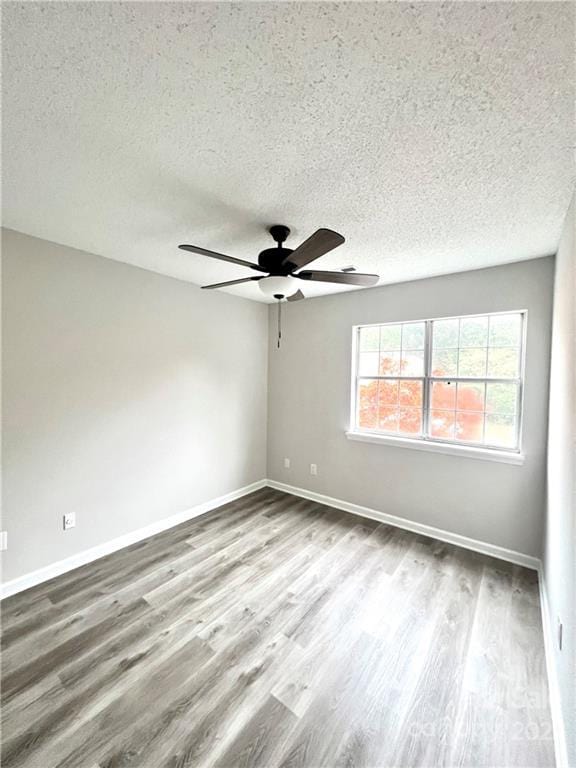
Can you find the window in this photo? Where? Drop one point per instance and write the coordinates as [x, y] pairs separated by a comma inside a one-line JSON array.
[[453, 380]]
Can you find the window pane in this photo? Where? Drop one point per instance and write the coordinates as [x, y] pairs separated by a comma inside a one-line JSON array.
[[470, 397], [465, 407], [442, 424], [368, 404], [411, 393], [473, 332], [370, 339], [410, 421], [389, 363], [413, 336], [388, 394], [443, 395], [445, 362], [368, 364], [505, 331], [388, 418], [412, 363], [469, 426], [445, 333], [390, 336], [501, 398], [503, 362], [500, 430], [472, 362]]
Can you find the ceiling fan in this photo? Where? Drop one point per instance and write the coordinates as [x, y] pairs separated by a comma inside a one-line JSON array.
[[283, 266]]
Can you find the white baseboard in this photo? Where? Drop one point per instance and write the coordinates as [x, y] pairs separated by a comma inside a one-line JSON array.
[[101, 550], [409, 525], [560, 746]]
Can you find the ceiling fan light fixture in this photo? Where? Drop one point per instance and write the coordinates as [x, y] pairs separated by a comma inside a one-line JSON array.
[[278, 286]]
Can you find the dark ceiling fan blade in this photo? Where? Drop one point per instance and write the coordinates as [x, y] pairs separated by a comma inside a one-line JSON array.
[[233, 282], [322, 241], [296, 296], [348, 278], [221, 256]]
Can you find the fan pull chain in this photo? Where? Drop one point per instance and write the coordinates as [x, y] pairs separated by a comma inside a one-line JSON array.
[[279, 321]]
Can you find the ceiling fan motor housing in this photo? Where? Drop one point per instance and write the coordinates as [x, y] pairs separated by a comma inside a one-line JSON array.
[[271, 260]]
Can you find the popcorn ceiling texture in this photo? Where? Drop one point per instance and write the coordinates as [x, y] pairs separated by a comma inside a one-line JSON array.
[[436, 137]]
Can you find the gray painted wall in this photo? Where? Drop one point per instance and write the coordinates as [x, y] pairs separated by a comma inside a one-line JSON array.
[[309, 405], [560, 539], [128, 397]]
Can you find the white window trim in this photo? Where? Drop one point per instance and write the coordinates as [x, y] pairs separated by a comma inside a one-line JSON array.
[[424, 443]]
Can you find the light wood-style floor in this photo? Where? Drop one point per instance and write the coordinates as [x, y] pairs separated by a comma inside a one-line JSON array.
[[275, 631]]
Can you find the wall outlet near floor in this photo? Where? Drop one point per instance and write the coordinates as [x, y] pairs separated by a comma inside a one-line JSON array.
[[559, 635], [313, 469], [286, 463], [69, 520], [3, 540]]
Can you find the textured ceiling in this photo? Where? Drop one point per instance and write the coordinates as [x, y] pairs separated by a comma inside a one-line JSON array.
[[435, 137]]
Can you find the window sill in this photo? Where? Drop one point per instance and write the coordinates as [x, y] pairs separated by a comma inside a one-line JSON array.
[[464, 451]]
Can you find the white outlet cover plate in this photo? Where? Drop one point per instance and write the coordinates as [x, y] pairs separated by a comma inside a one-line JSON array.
[[69, 520]]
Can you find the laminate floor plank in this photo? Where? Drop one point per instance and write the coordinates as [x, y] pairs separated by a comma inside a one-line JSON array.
[[47, 662], [20, 711], [275, 631], [191, 723], [16, 608], [87, 740], [425, 737], [210, 569], [363, 688]]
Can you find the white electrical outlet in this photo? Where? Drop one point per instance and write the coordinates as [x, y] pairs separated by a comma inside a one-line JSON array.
[[69, 520], [286, 463], [3, 540], [313, 469]]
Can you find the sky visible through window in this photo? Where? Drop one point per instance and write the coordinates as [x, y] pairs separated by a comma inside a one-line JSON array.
[[464, 389]]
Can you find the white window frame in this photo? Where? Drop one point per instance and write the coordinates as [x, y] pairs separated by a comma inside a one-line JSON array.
[[426, 441]]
